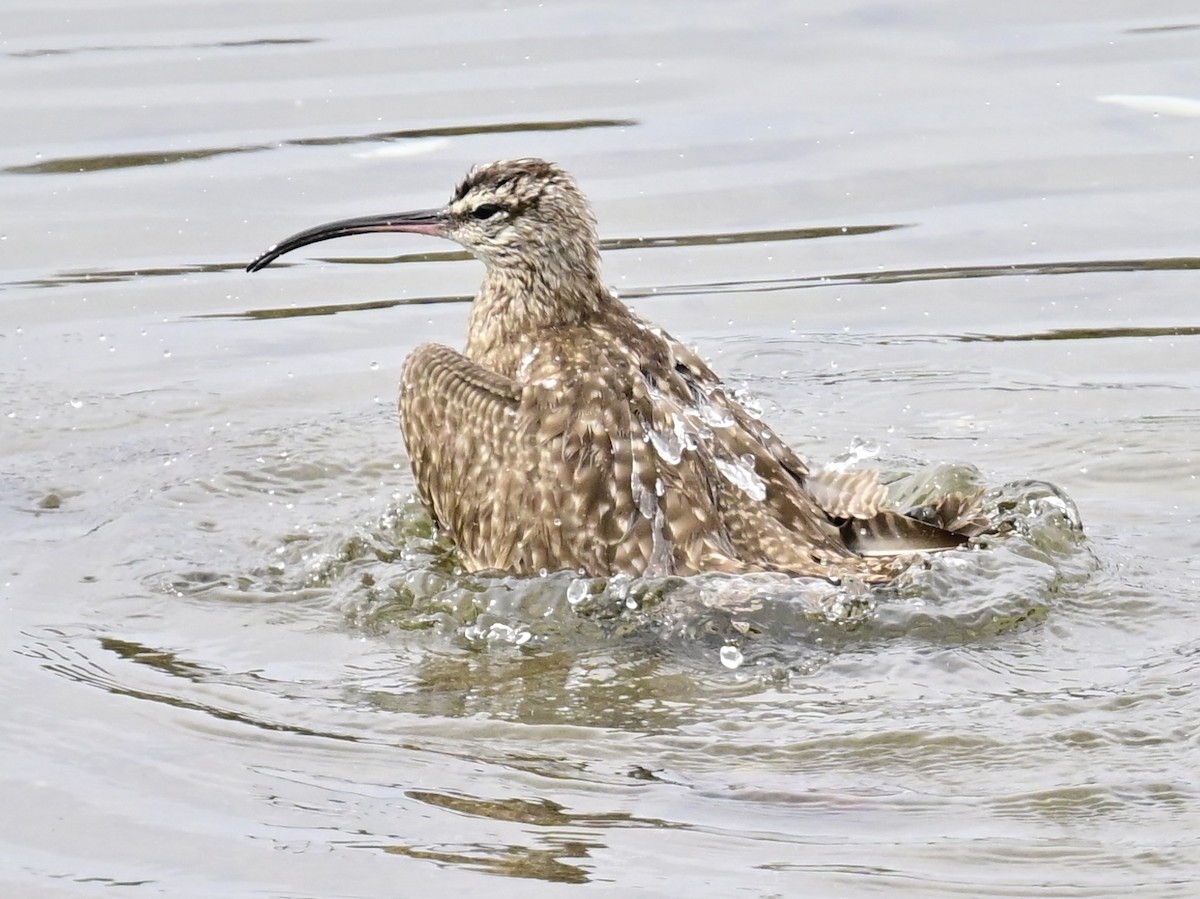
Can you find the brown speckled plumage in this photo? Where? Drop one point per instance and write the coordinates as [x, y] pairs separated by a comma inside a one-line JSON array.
[[572, 434]]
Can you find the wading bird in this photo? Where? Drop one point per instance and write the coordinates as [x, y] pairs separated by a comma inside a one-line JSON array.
[[573, 434]]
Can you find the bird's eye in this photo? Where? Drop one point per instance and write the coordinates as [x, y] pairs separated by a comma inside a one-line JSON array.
[[486, 211]]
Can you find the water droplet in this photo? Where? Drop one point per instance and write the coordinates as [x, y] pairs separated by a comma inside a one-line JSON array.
[[861, 450], [743, 476], [714, 416], [646, 501], [668, 446], [526, 362], [577, 591], [731, 657], [166, 354], [374, 366], [662, 550], [749, 402], [76, 403]]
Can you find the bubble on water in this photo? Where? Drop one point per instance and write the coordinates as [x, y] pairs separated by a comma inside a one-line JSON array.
[[166, 354], [731, 657], [76, 402], [497, 632], [374, 366]]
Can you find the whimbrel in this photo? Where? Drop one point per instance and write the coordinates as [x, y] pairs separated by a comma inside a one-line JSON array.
[[573, 434]]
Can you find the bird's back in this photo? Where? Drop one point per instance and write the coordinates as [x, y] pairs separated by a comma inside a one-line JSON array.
[[607, 446]]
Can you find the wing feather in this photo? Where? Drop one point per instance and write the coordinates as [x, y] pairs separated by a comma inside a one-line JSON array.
[[459, 424]]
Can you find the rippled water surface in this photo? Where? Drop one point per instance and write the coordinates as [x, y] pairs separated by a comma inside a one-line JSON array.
[[955, 242]]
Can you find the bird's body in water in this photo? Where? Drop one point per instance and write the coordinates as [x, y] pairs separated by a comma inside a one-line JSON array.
[[572, 434]]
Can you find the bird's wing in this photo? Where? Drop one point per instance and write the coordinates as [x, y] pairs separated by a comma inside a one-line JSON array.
[[580, 509], [615, 491], [854, 500], [707, 388], [754, 481], [847, 494], [459, 423]]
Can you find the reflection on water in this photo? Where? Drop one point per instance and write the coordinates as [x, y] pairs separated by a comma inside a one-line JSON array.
[[940, 273], [545, 862], [92, 671], [110, 276], [513, 861], [101, 276], [138, 48], [74, 165]]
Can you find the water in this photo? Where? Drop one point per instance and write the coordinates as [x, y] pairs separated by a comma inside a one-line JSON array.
[[236, 661]]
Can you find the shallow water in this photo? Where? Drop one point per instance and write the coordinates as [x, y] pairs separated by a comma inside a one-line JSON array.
[[237, 663]]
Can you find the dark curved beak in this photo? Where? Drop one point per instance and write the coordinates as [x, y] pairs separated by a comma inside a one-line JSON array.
[[424, 221]]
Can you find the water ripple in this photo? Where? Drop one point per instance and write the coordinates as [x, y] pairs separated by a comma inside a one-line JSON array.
[[74, 165]]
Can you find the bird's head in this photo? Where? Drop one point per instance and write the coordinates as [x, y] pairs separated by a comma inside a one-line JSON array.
[[524, 215]]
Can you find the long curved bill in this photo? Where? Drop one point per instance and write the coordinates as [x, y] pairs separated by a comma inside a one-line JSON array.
[[424, 221]]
